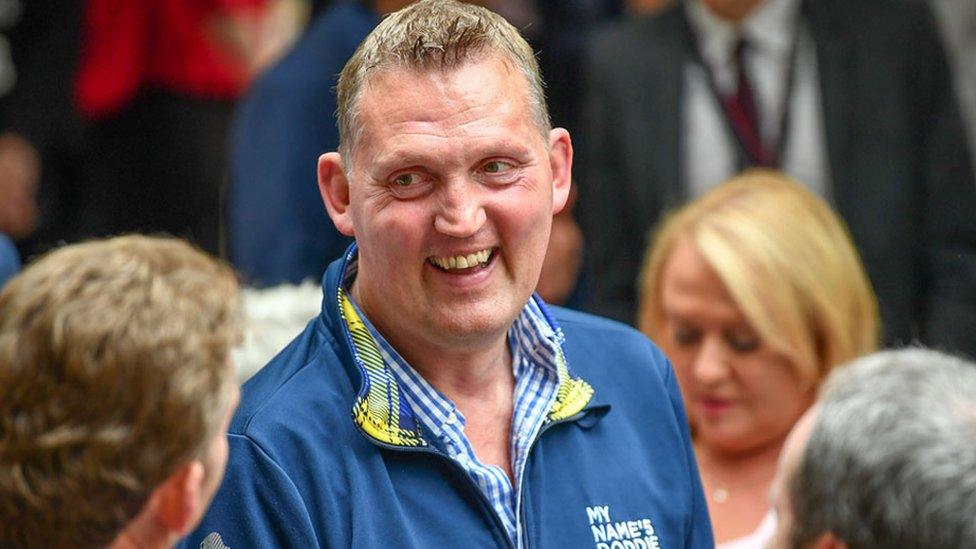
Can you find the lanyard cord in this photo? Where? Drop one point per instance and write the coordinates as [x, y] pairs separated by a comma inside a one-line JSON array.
[[746, 159]]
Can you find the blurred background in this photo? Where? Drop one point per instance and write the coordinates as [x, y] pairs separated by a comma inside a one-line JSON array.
[[204, 119]]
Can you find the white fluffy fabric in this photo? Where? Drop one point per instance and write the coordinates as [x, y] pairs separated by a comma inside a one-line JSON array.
[[273, 317]]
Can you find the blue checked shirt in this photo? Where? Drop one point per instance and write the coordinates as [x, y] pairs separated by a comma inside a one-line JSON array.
[[534, 346]]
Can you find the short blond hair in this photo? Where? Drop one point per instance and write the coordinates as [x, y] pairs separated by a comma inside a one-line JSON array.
[[787, 261], [114, 372], [432, 35]]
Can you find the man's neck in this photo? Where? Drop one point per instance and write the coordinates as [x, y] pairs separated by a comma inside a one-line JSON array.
[[460, 367], [482, 387], [466, 374], [473, 371], [144, 533], [476, 376]]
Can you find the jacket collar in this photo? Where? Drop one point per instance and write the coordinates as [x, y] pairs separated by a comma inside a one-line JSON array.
[[379, 410]]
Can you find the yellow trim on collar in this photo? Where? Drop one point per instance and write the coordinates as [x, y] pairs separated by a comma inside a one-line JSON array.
[[377, 418], [373, 413], [572, 395]]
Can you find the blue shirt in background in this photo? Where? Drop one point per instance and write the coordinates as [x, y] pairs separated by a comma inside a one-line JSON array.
[[9, 260], [279, 230]]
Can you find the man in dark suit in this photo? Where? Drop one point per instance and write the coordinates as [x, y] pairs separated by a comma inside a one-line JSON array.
[[851, 97]]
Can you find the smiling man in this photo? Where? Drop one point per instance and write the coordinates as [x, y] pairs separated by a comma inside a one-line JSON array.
[[436, 401]]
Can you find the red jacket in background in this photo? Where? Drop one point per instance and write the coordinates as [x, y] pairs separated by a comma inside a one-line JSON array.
[[164, 44]]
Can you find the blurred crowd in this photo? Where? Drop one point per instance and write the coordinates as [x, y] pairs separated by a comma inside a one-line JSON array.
[[205, 119], [768, 189]]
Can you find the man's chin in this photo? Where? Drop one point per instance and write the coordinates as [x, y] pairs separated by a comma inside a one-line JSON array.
[[469, 331]]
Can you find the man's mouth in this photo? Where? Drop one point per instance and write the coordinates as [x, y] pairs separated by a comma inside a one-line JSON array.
[[458, 263]]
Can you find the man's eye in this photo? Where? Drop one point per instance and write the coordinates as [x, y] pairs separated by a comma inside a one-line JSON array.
[[496, 166], [406, 179]]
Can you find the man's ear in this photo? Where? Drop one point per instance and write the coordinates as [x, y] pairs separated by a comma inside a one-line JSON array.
[[334, 187], [561, 165], [178, 502]]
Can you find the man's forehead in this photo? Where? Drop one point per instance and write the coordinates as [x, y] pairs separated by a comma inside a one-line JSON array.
[[384, 81], [400, 101]]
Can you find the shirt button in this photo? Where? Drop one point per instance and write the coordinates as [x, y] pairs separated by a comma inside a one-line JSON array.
[[451, 419]]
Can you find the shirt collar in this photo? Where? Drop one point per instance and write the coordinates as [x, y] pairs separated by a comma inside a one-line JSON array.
[[771, 27], [533, 332], [533, 335], [383, 409]]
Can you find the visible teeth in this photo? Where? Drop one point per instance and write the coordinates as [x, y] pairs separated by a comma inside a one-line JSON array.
[[462, 261]]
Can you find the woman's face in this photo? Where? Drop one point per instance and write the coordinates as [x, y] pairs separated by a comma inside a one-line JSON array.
[[740, 394]]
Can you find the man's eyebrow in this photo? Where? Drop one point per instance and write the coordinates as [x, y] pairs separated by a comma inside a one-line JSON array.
[[404, 158], [502, 146], [400, 158]]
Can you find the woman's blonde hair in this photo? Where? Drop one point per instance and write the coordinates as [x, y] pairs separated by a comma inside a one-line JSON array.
[[787, 261]]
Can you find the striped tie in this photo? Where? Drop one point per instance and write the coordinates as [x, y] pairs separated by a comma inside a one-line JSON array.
[[741, 110]]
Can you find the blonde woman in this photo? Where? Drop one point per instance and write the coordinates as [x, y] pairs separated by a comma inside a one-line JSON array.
[[754, 291]]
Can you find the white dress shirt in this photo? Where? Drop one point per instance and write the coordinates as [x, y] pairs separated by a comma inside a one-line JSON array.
[[709, 147]]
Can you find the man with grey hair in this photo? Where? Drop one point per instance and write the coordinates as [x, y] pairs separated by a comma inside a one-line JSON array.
[[886, 459], [437, 401]]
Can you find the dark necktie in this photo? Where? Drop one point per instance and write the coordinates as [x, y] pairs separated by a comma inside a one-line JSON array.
[[741, 110]]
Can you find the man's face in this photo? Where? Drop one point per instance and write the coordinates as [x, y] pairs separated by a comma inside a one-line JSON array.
[[789, 460], [451, 200]]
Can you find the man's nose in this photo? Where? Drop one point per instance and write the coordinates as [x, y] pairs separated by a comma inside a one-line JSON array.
[[460, 212], [711, 364]]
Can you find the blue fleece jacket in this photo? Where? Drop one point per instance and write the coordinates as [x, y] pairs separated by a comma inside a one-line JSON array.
[[323, 456]]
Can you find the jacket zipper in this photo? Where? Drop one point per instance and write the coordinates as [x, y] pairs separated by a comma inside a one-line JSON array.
[[521, 495], [495, 519]]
